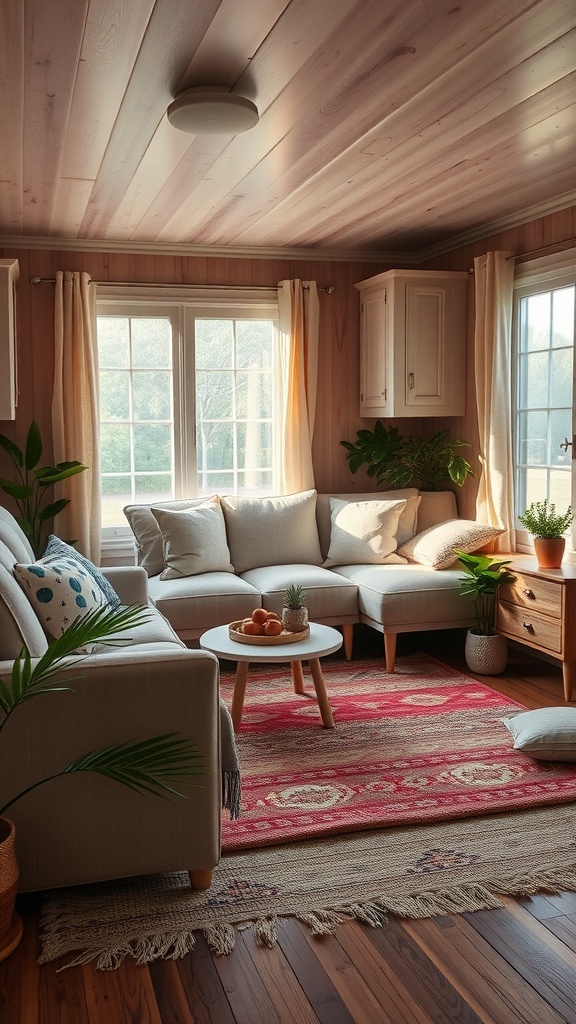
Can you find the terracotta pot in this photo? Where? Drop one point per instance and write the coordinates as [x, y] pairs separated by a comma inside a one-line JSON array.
[[10, 924], [549, 551], [486, 655]]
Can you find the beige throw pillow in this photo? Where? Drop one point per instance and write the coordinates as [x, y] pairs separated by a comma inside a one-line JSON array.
[[364, 532], [194, 540], [149, 545], [436, 546], [272, 531]]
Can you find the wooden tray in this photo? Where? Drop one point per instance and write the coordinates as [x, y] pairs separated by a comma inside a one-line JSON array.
[[266, 641]]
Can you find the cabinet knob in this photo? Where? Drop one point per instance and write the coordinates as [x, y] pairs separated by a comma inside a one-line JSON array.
[[411, 381], [528, 592], [528, 627]]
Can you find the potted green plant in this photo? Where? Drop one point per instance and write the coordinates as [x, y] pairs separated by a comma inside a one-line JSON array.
[[294, 612], [153, 766], [29, 491], [485, 649], [547, 526], [428, 464]]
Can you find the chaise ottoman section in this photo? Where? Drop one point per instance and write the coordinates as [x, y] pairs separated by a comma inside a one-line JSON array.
[[193, 604], [398, 599]]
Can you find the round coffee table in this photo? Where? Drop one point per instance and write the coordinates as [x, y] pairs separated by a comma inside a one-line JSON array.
[[322, 640]]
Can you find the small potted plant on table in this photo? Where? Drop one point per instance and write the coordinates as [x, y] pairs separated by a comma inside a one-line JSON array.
[[547, 527], [485, 650], [294, 612]]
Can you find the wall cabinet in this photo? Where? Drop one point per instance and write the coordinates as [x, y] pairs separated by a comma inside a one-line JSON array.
[[9, 273], [413, 343]]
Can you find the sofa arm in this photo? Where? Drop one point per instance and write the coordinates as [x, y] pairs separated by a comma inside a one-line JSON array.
[[82, 827], [129, 581]]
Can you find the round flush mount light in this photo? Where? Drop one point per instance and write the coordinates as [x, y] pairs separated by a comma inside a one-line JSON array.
[[212, 110]]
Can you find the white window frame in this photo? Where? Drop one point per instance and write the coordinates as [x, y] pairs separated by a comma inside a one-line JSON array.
[[184, 305], [547, 273]]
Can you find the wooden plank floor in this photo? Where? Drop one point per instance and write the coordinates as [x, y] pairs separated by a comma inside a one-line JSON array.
[[500, 966]]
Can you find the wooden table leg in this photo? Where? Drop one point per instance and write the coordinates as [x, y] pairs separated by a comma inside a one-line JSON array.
[[238, 695], [569, 678], [320, 687], [297, 677]]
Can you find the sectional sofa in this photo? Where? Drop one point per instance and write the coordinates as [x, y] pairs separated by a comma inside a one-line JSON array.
[[385, 559]]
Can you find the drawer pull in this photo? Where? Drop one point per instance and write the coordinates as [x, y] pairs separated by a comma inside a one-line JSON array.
[[528, 592], [528, 627]]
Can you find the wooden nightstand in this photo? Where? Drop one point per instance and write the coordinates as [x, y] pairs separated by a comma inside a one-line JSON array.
[[539, 610]]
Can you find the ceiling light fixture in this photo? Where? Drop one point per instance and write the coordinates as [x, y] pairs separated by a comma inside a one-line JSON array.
[[212, 110]]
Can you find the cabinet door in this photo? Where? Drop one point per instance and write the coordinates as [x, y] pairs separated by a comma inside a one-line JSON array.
[[9, 271], [374, 386], [435, 348]]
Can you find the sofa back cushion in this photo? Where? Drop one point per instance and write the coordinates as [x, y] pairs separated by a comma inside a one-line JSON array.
[[407, 522], [436, 507], [18, 623], [272, 531], [194, 540], [149, 542], [14, 537]]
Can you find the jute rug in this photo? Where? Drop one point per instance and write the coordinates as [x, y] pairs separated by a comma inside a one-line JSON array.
[[447, 867], [422, 744]]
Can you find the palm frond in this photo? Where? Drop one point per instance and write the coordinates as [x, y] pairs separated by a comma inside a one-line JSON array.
[[153, 766]]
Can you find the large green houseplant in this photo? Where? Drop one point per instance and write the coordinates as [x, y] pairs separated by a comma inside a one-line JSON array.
[[428, 464], [30, 489], [482, 578], [159, 766]]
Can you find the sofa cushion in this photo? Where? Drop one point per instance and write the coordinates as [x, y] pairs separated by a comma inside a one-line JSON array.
[[272, 531], [408, 596], [436, 546], [329, 597], [149, 545], [193, 604], [18, 622], [546, 733], [60, 590], [406, 523], [364, 531], [57, 548], [14, 537], [194, 540]]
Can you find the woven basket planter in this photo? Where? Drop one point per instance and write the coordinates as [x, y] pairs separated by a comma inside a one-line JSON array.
[[10, 923], [486, 655]]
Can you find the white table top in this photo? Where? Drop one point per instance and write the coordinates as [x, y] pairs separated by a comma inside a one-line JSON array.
[[322, 640]]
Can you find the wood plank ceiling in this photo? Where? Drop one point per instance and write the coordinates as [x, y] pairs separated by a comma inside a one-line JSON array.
[[385, 125]]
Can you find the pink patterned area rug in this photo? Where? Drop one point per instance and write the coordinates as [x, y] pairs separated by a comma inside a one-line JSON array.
[[423, 744]]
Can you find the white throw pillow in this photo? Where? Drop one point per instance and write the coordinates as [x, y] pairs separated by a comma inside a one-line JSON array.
[[272, 531], [60, 591], [364, 532], [149, 544], [194, 540], [436, 546], [547, 733]]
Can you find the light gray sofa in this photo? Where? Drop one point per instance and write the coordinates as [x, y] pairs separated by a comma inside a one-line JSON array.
[[84, 828], [273, 542]]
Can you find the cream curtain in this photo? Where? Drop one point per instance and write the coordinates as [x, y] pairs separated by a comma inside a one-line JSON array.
[[494, 281], [298, 310], [75, 409]]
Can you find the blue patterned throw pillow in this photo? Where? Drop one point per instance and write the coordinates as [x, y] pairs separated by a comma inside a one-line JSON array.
[[59, 590], [60, 549]]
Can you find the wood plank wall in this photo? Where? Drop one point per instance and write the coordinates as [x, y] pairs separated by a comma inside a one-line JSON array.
[[337, 415]]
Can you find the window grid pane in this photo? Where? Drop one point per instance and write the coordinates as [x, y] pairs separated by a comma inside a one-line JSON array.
[[544, 375]]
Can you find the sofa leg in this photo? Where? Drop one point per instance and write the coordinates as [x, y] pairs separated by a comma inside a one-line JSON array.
[[201, 879], [348, 634], [390, 650]]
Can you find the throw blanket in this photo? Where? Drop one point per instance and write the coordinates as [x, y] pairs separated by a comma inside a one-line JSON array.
[[231, 784]]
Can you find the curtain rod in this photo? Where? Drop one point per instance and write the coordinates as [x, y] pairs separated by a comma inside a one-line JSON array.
[[35, 280]]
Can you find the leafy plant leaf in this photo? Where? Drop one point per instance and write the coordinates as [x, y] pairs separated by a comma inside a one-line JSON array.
[[15, 453], [18, 491], [52, 510], [33, 450]]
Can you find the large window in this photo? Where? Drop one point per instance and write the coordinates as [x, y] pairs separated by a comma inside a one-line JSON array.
[[188, 402], [544, 391]]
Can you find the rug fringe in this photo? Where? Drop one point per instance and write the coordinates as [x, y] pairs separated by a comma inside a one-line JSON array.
[[143, 950], [221, 938]]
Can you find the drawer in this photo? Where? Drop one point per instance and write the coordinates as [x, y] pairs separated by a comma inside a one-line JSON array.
[[536, 594], [529, 627]]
